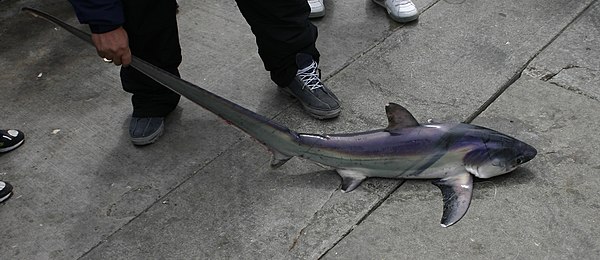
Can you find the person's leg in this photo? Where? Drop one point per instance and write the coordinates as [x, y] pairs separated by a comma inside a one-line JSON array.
[[282, 30], [286, 44], [153, 37]]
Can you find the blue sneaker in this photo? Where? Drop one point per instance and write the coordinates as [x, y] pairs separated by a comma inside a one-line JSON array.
[[5, 191], [10, 140], [146, 130]]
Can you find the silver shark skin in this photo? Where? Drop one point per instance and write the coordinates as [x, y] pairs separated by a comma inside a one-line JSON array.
[[449, 153]]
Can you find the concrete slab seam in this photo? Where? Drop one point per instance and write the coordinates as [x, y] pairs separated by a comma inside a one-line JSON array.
[[371, 210], [377, 43], [159, 199], [519, 72], [297, 238], [482, 108], [397, 186]]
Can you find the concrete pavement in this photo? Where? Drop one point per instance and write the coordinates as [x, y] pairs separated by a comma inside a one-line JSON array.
[[205, 190]]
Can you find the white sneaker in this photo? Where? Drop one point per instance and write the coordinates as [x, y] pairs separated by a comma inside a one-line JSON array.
[[317, 9], [5, 191], [401, 11]]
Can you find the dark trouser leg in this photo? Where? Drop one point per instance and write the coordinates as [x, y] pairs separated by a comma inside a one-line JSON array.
[[153, 37], [282, 30]]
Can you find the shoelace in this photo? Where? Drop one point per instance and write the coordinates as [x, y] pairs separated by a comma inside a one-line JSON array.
[[310, 77]]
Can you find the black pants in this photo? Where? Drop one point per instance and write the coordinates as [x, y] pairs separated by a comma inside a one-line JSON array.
[[281, 28]]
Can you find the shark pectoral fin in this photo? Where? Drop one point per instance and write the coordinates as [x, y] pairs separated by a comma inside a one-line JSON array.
[[457, 191], [350, 179], [399, 117], [278, 158]]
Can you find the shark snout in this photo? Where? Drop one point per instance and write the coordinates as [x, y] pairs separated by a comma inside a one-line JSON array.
[[528, 152]]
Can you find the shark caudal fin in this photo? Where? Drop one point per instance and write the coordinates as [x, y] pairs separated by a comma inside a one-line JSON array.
[[399, 117], [457, 191]]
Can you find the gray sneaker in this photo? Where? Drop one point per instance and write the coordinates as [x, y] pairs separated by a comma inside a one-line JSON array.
[[316, 99], [146, 130]]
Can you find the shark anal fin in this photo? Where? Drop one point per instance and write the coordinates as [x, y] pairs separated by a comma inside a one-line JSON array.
[[457, 192], [399, 117], [350, 179], [278, 159]]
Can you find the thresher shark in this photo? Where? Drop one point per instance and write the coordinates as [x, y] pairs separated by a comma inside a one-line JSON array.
[[451, 154]]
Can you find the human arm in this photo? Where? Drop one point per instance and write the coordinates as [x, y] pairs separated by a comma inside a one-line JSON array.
[[105, 19]]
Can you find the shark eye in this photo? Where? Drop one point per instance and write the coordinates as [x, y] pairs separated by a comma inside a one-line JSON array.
[[519, 161]]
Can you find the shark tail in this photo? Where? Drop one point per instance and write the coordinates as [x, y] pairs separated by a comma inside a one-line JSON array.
[[280, 140]]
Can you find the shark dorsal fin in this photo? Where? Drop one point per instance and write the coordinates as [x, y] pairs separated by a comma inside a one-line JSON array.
[[399, 117]]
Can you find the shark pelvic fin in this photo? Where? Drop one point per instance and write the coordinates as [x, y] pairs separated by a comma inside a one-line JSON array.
[[278, 158], [350, 179], [399, 117], [457, 191]]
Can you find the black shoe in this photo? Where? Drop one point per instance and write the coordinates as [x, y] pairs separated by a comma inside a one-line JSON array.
[[10, 140], [5, 191], [307, 87], [146, 130]]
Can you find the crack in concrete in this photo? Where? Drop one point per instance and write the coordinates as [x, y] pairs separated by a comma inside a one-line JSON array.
[[519, 72], [379, 202], [550, 76], [575, 90], [517, 75]]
